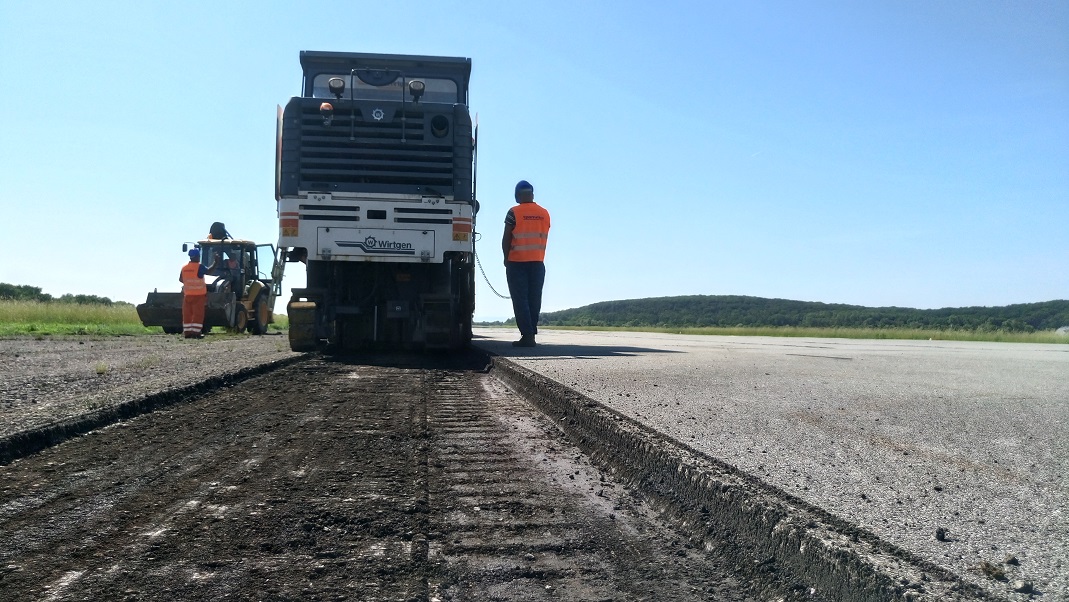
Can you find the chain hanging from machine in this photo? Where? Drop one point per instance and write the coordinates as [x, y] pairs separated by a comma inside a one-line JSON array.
[[480, 264], [474, 195]]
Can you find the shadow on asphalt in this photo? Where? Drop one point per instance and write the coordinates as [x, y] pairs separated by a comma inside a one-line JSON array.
[[553, 351], [477, 359]]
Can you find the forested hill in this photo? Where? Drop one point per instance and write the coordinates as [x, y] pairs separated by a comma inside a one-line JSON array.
[[25, 292], [733, 311]]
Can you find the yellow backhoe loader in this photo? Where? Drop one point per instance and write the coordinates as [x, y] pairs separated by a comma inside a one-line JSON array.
[[243, 280]]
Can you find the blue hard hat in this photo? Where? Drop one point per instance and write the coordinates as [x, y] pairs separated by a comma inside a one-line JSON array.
[[523, 185], [194, 253]]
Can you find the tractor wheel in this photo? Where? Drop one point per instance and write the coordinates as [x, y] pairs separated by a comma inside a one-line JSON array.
[[241, 320], [261, 315]]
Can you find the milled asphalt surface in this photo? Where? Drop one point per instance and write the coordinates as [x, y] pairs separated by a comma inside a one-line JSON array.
[[899, 437]]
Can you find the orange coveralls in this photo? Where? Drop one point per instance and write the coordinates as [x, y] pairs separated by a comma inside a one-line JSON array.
[[194, 296]]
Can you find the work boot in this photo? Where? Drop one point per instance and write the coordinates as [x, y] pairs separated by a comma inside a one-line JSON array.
[[525, 341]]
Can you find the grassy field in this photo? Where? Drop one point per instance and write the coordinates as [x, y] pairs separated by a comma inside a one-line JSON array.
[[35, 318], [44, 319], [853, 333]]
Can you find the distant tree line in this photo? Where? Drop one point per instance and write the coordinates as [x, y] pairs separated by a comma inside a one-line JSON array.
[[742, 311], [22, 292]]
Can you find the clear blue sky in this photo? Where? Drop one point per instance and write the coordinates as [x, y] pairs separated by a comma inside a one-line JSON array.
[[909, 153]]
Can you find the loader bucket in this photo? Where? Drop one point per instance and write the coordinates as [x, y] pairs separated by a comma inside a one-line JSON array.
[[162, 309], [165, 310]]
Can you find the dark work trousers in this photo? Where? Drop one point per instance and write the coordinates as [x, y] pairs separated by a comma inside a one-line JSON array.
[[525, 280]]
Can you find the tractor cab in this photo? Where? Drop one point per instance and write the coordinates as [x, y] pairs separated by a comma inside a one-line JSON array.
[[243, 280], [229, 264], [247, 276]]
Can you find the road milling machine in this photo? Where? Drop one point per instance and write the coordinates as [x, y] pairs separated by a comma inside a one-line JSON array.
[[375, 184], [243, 280]]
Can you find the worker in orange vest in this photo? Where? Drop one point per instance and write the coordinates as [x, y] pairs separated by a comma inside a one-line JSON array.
[[524, 246], [194, 296]]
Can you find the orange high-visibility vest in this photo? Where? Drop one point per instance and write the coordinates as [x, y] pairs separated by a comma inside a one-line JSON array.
[[192, 284], [530, 234]]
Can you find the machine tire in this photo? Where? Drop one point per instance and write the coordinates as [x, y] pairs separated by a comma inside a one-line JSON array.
[[261, 315], [172, 329], [302, 332], [241, 319], [302, 345]]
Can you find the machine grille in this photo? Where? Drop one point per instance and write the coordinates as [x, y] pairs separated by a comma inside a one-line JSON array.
[[357, 153]]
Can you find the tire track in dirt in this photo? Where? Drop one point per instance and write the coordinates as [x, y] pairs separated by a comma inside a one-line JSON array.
[[520, 514], [410, 479]]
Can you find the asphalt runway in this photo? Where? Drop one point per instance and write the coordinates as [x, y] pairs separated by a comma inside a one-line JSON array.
[[903, 438]]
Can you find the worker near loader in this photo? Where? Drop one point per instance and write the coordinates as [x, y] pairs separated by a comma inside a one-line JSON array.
[[194, 296], [524, 246]]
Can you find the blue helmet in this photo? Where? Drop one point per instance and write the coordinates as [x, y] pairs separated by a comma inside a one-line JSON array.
[[523, 185], [194, 253]]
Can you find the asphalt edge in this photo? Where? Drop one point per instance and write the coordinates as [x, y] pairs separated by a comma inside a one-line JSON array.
[[712, 501], [30, 441]]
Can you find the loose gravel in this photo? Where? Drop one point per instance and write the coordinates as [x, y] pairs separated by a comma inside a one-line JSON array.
[[46, 380], [954, 451], [337, 479]]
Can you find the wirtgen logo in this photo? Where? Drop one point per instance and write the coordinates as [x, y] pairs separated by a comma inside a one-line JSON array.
[[373, 245]]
